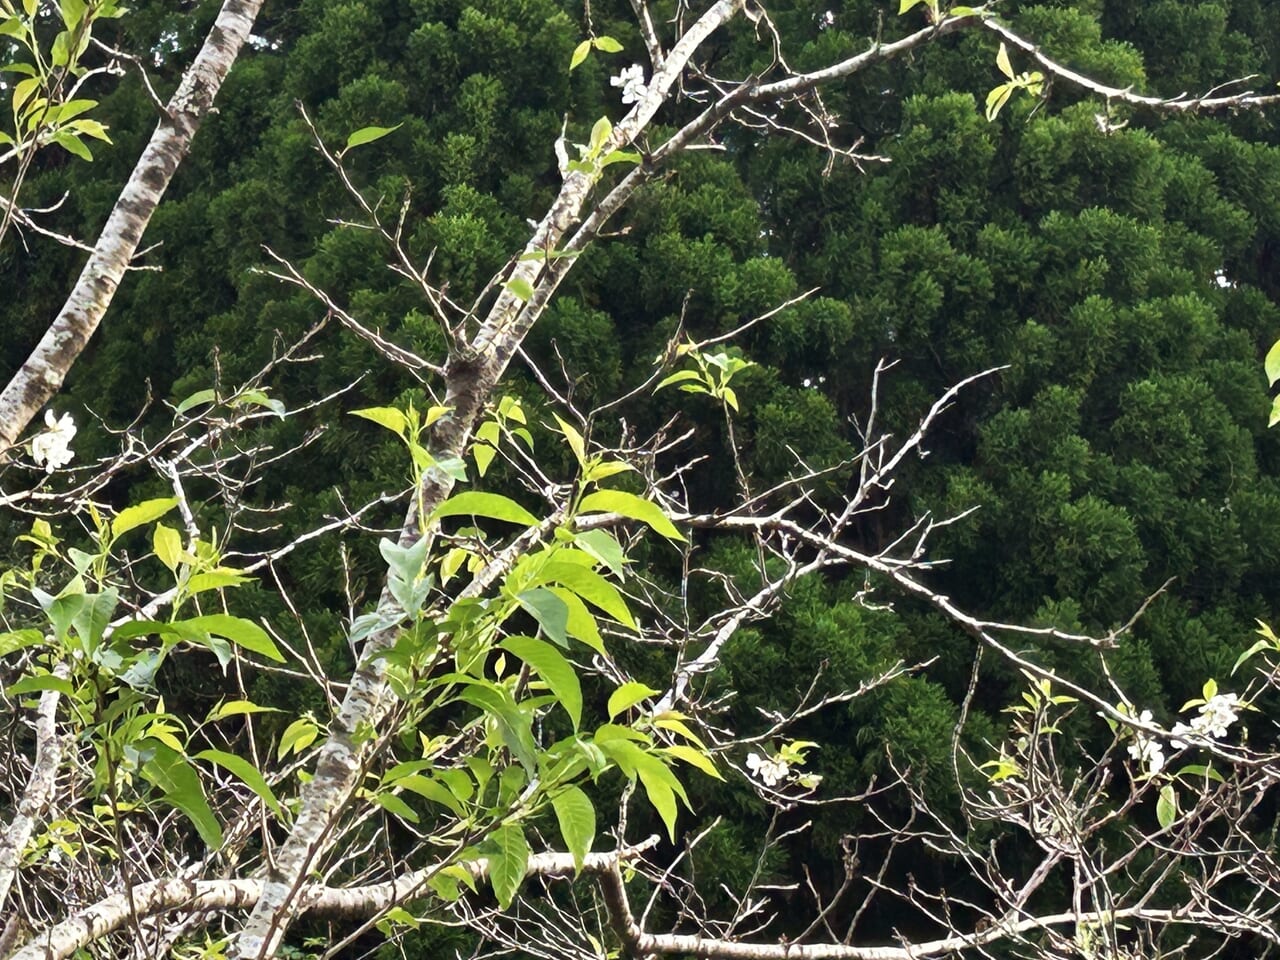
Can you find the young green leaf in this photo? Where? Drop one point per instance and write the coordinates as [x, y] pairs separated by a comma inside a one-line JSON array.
[[367, 135], [555, 671], [167, 544], [627, 696], [389, 417], [473, 503], [1002, 62], [577, 819], [579, 55], [140, 514], [631, 507], [1166, 806]]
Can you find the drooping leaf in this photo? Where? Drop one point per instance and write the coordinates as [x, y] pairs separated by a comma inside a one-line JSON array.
[[508, 862], [555, 671], [248, 774], [577, 818], [176, 778]]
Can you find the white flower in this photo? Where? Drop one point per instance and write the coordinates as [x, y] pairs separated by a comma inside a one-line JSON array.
[[1184, 733], [770, 772], [53, 447], [1146, 750], [631, 80], [1218, 714], [827, 19]]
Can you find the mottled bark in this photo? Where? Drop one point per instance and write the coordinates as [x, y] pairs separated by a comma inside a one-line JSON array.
[[38, 791], [215, 896], [41, 376]]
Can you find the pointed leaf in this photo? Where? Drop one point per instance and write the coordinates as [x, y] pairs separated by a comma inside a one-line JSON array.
[[140, 514], [557, 672], [577, 819], [631, 507], [246, 772], [473, 503], [508, 862]]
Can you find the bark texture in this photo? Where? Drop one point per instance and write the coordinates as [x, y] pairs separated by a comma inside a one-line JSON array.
[[41, 376], [38, 791]]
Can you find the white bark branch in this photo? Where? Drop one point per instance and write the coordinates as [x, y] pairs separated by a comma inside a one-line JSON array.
[[41, 376], [214, 896], [39, 788]]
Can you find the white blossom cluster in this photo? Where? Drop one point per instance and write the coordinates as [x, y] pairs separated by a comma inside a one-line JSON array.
[[770, 772], [631, 80], [52, 449], [1215, 718]]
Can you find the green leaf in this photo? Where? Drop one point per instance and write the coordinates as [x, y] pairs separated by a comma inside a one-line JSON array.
[[577, 819], [195, 400], [520, 288], [431, 790], [173, 774], [600, 132], [73, 145], [631, 507], [140, 514], [247, 773], [627, 696], [473, 503], [592, 587], [167, 544], [1200, 770], [602, 545], [557, 672], [1166, 806], [579, 55], [214, 580], [21, 639], [508, 862], [575, 441], [906, 5], [997, 98], [389, 417], [581, 622], [1272, 363], [297, 737], [367, 135], [393, 804], [607, 45], [237, 708], [243, 633], [1275, 413], [695, 758], [39, 684], [1002, 62], [549, 610], [72, 12]]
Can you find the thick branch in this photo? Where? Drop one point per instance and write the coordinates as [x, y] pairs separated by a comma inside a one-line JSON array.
[[39, 789], [44, 371], [210, 896]]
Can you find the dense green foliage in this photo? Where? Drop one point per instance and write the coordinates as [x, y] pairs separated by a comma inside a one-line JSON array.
[[1118, 267]]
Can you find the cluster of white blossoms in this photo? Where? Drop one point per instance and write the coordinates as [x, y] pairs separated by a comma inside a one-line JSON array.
[[52, 449], [1217, 714], [770, 772], [631, 80], [1147, 751], [1215, 718]]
